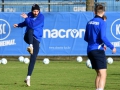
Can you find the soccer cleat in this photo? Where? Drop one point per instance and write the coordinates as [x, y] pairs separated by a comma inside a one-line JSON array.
[[30, 50], [27, 81]]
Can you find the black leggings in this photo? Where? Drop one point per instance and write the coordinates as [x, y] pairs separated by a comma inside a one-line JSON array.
[[29, 39]]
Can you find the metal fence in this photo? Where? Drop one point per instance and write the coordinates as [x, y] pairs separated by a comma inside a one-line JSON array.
[[55, 5]]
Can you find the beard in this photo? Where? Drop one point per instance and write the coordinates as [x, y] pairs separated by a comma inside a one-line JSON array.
[[35, 15]]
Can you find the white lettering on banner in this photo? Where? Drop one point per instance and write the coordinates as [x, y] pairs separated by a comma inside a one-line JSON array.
[[7, 42], [60, 33], [116, 44], [81, 31], [2, 28], [54, 33], [60, 47], [5, 25], [117, 29], [8, 9], [77, 9], [5, 30]]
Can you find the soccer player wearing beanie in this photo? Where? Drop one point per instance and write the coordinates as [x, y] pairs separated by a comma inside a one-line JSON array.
[[34, 22]]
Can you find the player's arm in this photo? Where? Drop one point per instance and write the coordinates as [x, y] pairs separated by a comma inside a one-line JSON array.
[[23, 24], [104, 38], [33, 23], [86, 35]]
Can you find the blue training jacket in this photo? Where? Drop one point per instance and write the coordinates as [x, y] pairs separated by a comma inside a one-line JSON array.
[[95, 34], [34, 23]]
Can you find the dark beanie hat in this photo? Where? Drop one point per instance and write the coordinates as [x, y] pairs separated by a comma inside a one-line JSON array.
[[35, 7]]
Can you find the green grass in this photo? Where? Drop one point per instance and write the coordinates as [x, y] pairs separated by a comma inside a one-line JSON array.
[[58, 75]]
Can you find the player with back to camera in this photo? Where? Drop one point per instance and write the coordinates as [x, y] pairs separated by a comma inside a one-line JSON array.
[[34, 22], [95, 36]]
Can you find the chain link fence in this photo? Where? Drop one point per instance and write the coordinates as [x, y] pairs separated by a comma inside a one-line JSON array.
[[55, 5]]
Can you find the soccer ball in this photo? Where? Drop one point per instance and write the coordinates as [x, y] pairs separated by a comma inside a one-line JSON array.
[[0, 61], [88, 64], [26, 60], [46, 61], [79, 59], [109, 60], [4, 61], [21, 59]]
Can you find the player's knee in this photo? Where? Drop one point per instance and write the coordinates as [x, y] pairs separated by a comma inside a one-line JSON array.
[[98, 74], [102, 72]]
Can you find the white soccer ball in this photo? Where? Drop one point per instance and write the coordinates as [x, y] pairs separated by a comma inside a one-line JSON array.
[[4, 61], [46, 61], [0, 61], [109, 60], [88, 64], [26, 60], [21, 59], [79, 59]]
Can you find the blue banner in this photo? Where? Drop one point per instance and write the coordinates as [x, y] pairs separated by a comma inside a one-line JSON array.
[[63, 34]]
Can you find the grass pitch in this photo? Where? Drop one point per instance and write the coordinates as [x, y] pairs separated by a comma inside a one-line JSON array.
[[58, 75]]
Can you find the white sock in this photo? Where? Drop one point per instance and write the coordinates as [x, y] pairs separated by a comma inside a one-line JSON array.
[[31, 45], [100, 89], [96, 89], [28, 77]]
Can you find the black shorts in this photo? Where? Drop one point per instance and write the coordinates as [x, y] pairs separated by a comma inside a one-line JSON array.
[[98, 59]]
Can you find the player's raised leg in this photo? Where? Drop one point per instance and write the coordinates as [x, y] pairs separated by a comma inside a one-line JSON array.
[[29, 39]]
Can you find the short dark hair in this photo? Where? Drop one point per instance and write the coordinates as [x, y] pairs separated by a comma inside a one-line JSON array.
[[104, 17], [99, 9]]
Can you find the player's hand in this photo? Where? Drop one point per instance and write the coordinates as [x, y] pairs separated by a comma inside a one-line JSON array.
[[24, 15], [105, 48], [15, 25], [114, 50]]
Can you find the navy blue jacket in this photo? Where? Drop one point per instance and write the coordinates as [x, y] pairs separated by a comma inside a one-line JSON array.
[[34, 23], [95, 34]]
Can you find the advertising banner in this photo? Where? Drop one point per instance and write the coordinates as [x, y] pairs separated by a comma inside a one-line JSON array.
[[63, 34]]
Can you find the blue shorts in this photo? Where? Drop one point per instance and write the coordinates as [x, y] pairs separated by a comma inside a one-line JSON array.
[[98, 59]]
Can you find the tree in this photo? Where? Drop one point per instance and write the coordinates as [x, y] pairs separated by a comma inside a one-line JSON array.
[[89, 5]]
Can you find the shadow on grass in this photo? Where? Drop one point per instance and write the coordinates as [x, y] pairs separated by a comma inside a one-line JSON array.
[[63, 85]]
